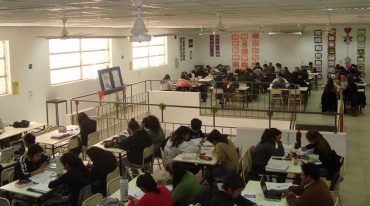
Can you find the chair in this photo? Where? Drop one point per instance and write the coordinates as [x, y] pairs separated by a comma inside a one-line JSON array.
[[112, 175], [93, 139], [11, 176], [244, 167], [113, 186], [93, 200], [335, 183], [294, 98], [218, 94], [5, 175], [276, 96], [72, 144], [148, 167], [85, 193], [4, 202]]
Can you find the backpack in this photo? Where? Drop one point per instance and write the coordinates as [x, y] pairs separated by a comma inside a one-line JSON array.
[[21, 124]]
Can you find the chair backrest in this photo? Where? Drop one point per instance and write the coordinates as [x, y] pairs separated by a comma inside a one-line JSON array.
[[92, 139], [5, 175], [296, 92], [245, 163], [113, 186], [85, 193], [11, 176], [218, 91], [276, 91], [73, 143], [338, 177], [93, 200], [112, 175], [4, 202], [147, 152]]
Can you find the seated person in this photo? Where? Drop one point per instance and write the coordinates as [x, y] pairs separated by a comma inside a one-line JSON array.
[[29, 139], [299, 80], [287, 75], [179, 143], [166, 83], [329, 158], [196, 129], [74, 179], [87, 126], [226, 155], [153, 195], [183, 83], [152, 125], [265, 149], [312, 191], [230, 193], [329, 100], [185, 185], [353, 96], [134, 145], [103, 162], [279, 82], [31, 163]]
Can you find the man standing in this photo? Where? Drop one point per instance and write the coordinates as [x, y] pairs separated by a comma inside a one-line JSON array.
[[312, 192]]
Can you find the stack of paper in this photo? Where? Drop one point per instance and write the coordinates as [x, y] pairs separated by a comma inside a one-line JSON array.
[[44, 177], [40, 187], [277, 165], [189, 156], [278, 186]]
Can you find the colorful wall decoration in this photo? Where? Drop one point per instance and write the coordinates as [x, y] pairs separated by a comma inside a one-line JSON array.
[[331, 49], [361, 44], [318, 49], [255, 48], [239, 52]]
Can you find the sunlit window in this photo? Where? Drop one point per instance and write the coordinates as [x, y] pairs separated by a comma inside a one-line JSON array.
[[77, 59], [149, 54], [4, 68]]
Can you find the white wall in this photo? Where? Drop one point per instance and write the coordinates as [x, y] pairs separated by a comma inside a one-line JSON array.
[[289, 50], [26, 49]]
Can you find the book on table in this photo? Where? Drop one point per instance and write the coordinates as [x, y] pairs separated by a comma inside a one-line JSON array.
[[277, 165]]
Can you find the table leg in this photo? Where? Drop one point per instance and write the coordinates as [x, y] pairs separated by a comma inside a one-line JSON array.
[[57, 114], [53, 150], [316, 81], [120, 163]]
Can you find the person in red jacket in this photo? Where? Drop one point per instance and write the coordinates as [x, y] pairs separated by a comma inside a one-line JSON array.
[[153, 195]]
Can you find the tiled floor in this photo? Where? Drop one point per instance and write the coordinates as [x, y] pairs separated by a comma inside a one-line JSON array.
[[355, 189]]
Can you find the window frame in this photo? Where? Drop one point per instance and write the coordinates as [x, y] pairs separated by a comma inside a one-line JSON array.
[[6, 75], [149, 56], [81, 65]]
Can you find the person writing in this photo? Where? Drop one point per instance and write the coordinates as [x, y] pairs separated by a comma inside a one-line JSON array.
[[153, 195], [312, 191], [31, 163], [230, 193]]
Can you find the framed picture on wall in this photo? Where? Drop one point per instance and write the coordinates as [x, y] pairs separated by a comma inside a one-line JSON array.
[[331, 50], [361, 45], [318, 63], [360, 67], [331, 38], [235, 43], [318, 47], [319, 69], [190, 41], [318, 39], [331, 63], [235, 50], [331, 56], [361, 38], [331, 44], [361, 32], [360, 52], [360, 59], [318, 55], [318, 32]]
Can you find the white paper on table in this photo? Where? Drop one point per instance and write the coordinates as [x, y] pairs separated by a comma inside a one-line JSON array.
[[135, 192], [278, 186], [306, 152], [44, 177], [277, 165], [41, 187], [250, 196]]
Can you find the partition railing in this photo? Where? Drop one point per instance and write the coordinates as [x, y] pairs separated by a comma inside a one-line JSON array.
[[250, 100]]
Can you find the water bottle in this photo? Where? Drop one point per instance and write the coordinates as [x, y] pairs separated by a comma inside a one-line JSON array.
[[59, 169], [123, 187]]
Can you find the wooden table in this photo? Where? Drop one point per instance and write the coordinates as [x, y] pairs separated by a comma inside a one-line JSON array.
[[11, 131], [47, 139]]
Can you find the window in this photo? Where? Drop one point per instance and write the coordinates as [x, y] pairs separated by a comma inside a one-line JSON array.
[[149, 54], [77, 59], [4, 68]]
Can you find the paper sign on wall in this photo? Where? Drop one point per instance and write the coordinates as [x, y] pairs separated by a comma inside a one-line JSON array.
[[15, 88]]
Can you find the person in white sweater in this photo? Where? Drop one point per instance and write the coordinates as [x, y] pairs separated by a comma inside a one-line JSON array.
[[179, 143]]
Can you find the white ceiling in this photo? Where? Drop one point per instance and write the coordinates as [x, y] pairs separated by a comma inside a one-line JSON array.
[[238, 14]]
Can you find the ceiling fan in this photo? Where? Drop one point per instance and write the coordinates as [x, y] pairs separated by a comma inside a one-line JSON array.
[[220, 27], [64, 34], [279, 32]]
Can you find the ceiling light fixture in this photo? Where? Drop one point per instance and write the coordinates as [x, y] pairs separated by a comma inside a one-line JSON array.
[[139, 30]]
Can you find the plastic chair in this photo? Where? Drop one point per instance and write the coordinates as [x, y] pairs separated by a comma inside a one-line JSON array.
[[147, 152], [93, 139], [294, 98], [72, 144], [113, 186], [218, 94], [276, 96], [4, 202], [112, 175], [5, 175], [93, 200]]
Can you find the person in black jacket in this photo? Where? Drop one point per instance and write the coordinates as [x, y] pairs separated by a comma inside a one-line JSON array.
[[329, 99], [32, 163], [196, 129], [103, 162], [135, 144], [87, 126], [74, 179], [230, 193]]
